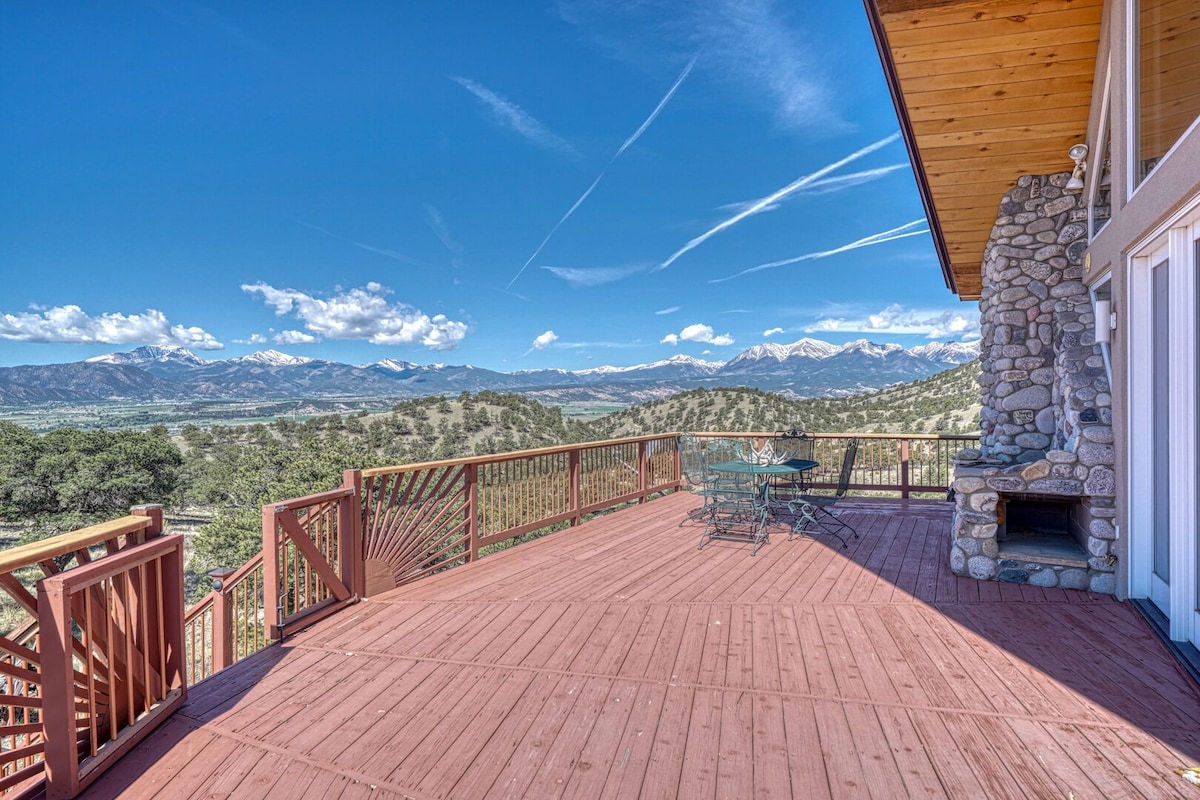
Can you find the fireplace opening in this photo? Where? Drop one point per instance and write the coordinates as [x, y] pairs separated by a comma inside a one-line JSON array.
[[1034, 524]]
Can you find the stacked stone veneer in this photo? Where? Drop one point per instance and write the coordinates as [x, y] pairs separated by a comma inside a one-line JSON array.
[[1046, 423]]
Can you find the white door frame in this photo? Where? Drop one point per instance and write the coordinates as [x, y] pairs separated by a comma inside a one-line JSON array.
[[1176, 242]]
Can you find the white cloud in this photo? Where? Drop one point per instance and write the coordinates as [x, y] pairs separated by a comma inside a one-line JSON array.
[[758, 50], [254, 338], [294, 337], [597, 276], [896, 319], [697, 332], [440, 229], [545, 340], [510, 115], [764, 51], [71, 324], [363, 314], [665, 311], [771, 332]]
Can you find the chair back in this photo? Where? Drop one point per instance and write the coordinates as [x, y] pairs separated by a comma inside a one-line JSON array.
[[795, 441], [847, 466], [691, 459]]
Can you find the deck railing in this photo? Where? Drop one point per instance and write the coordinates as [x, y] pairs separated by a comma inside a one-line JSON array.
[[228, 623], [106, 648], [310, 558], [389, 526], [903, 464], [423, 518], [80, 664]]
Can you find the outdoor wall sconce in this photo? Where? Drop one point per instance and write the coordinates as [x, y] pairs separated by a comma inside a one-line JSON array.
[[1079, 154], [1106, 320]]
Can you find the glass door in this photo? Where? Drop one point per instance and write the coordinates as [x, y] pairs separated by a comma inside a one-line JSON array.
[[1163, 359], [1160, 490]]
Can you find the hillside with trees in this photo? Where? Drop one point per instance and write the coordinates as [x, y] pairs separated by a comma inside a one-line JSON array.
[[945, 403], [68, 478]]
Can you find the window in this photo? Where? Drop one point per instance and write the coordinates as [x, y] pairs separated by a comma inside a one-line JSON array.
[[1168, 63]]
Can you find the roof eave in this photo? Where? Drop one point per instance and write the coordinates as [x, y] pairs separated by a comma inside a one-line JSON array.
[[910, 142]]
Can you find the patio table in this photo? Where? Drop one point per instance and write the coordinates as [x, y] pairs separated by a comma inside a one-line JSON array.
[[756, 533]]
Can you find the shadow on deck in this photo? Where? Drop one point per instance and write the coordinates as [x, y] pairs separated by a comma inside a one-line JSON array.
[[616, 660]]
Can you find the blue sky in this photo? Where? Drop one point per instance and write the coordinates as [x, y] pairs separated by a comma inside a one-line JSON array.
[[509, 185]]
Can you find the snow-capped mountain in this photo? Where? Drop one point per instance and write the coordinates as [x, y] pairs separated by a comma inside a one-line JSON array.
[[679, 363], [806, 368], [948, 352], [391, 365], [272, 358], [151, 354]]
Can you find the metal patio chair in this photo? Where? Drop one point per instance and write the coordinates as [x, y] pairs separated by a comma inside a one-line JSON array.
[[800, 445], [695, 454], [814, 512], [737, 512]]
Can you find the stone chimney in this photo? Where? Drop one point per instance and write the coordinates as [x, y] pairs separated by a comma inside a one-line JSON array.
[[1046, 424]]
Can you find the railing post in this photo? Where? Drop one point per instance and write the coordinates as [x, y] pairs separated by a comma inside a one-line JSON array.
[[352, 478], [222, 621], [272, 605], [905, 455], [155, 513], [471, 476], [350, 540], [58, 686], [575, 469], [643, 470]]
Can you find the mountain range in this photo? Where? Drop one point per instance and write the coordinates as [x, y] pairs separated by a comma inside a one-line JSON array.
[[807, 368]]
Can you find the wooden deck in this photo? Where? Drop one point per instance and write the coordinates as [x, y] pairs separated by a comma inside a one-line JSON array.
[[617, 661]]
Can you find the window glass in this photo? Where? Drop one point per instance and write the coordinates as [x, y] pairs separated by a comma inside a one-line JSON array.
[[1168, 77], [1102, 198]]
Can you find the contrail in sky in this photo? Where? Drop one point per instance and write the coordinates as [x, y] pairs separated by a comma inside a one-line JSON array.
[[636, 135], [378, 250], [765, 202], [875, 238]]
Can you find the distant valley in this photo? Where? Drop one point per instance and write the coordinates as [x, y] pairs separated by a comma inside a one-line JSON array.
[[808, 368]]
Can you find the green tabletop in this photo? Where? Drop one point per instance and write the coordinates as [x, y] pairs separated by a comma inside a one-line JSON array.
[[739, 467]]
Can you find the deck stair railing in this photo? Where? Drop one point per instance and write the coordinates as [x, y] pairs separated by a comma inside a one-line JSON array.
[[228, 623], [97, 661]]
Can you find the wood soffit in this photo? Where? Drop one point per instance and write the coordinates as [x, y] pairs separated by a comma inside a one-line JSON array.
[[987, 91]]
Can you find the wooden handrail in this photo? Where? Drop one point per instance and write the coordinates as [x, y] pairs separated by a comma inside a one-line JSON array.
[[512, 455], [36, 552]]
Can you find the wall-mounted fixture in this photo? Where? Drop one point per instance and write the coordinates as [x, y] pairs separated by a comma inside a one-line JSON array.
[[1106, 320], [1079, 154]]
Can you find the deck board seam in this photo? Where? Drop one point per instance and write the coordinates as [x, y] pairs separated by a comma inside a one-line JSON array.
[[215, 728], [694, 685]]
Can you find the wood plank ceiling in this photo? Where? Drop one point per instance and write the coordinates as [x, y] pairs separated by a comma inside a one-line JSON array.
[[988, 91]]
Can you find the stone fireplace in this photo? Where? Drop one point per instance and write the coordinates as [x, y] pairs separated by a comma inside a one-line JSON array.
[[1034, 503]]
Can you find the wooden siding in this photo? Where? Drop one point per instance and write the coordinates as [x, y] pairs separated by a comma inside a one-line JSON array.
[[615, 660], [992, 90]]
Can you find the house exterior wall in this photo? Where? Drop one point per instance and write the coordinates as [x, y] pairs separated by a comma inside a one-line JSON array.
[[1136, 216]]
